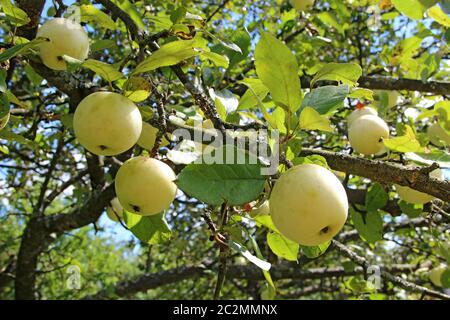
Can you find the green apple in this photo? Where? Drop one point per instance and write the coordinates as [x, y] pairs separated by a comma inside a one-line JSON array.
[[413, 196], [107, 123], [436, 275], [115, 210], [308, 204], [301, 5], [4, 121], [359, 113], [366, 134], [145, 185], [148, 137], [438, 136], [67, 37]]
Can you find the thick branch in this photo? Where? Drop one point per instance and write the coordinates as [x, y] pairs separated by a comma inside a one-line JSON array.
[[250, 272], [385, 172]]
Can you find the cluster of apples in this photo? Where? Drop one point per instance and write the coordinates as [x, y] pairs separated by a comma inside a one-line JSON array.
[[308, 204], [108, 124]]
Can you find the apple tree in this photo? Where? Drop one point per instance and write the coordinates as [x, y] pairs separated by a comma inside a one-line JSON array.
[[275, 149]]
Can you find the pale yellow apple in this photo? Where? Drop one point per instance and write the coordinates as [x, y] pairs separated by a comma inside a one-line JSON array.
[[262, 210], [145, 186], [4, 121], [148, 137], [413, 196], [359, 113], [107, 123], [115, 210], [438, 136], [67, 37], [436, 275], [308, 204], [301, 5], [366, 134]]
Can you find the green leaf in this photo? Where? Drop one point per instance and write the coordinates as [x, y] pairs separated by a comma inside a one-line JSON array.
[[254, 95], [266, 221], [442, 109], [104, 70], [102, 44], [14, 14], [72, 63], [314, 159], [445, 278], [406, 143], [315, 251], [369, 225], [229, 45], [90, 14], [310, 119], [14, 137], [19, 49], [4, 149], [4, 106], [217, 59], [282, 246], [376, 197], [169, 54], [231, 183], [225, 100], [132, 11], [410, 209], [361, 93], [277, 68], [13, 99], [260, 263], [413, 9], [137, 89], [3, 86], [266, 274], [347, 73], [326, 99], [149, 229], [439, 156]]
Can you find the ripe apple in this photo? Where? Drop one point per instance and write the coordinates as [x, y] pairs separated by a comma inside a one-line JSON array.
[[366, 134], [148, 137], [359, 113], [145, 185], [262, 210], [301, 5], [436, 275], [67, 37], [4, 121], [413, 196], [115, 210], [107, 123], [308, 204], [438, 136]]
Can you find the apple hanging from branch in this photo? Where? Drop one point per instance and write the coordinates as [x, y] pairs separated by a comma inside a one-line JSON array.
[[308, 204], [145, 186], [366, 134], [107, 123], [66, 37]]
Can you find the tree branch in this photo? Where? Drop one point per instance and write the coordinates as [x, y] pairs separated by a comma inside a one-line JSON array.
[[385, 172], [250, 272], [388, 276]]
